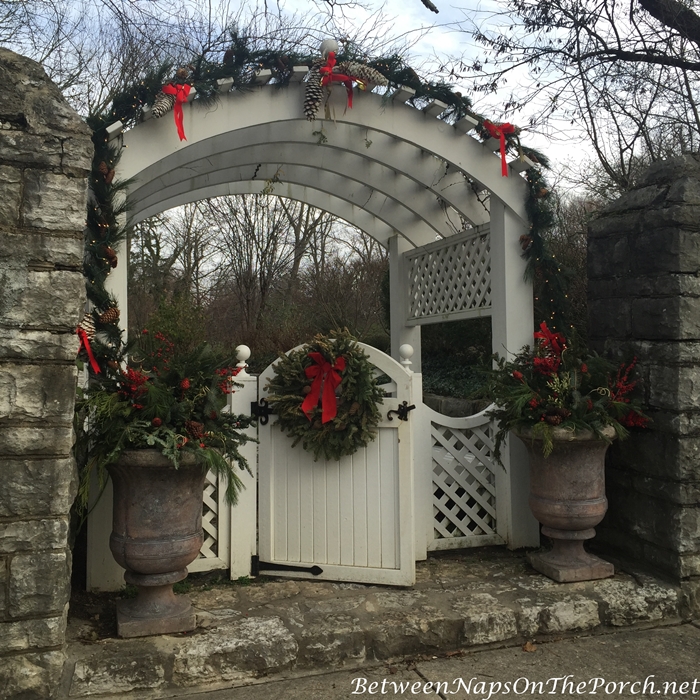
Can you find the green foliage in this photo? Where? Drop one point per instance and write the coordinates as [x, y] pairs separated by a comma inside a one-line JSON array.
[[165, 398], [556, 384], [358, 398], [180, 321]]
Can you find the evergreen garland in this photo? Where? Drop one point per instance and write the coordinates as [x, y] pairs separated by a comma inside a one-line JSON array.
[[358, 398]]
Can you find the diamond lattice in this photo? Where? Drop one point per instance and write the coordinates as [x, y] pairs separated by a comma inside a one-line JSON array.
[[464, 482], [450, 278], [210, 518]]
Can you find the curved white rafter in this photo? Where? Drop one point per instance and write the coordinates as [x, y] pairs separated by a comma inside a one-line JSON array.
[[357, 197], [294, 143], [370, 180], [406, 139], [351, 213]]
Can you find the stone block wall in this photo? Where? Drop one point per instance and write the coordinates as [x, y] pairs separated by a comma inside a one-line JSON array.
[[644, 300], [45, 154]]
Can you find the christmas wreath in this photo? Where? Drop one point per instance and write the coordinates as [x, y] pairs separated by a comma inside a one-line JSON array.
[[325, 396]]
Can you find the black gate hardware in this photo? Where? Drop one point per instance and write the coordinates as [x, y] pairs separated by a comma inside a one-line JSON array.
[[401, 412], [256, 566], [261, 410]]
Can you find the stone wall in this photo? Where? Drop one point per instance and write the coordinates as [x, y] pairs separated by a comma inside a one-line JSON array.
[[45, 153], [644, 300]]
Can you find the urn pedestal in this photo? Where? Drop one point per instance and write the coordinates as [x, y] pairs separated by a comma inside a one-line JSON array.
[[567, 496], [156, 533]]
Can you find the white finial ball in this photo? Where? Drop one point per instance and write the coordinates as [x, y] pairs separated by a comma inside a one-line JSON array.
[[328, 45], [242, 353], [406, 351]]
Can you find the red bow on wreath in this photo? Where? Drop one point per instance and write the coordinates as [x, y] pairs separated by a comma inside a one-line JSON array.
[[323, 373], [181, 92], [85, 345], [499, 131], [328, 76]]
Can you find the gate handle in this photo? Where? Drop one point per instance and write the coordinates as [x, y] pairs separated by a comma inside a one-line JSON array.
[[401, 412]]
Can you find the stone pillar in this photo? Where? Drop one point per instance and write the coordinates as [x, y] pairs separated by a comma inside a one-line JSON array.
[[644, 300], [45, 154]]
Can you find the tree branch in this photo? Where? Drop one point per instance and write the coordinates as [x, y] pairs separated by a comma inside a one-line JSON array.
[[675, 15]]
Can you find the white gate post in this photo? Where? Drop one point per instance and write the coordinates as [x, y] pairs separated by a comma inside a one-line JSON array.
[[244, 515], [401, 334], [512, 327]]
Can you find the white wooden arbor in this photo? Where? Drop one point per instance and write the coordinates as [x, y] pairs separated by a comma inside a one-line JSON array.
[[399, 173]]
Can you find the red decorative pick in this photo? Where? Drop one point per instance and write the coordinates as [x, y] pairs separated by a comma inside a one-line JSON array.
[[85, 344], [499, 131], [180, 92], [323, 373], [328, 76]]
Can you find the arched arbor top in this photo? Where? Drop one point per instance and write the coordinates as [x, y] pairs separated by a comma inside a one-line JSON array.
[[383, 166]]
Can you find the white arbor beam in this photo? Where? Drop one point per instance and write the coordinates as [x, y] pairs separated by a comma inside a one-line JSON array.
[[351, 213], [403, 192]]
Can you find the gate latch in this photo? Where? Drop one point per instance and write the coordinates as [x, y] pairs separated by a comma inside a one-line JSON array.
[[261, 410], [401, 411]]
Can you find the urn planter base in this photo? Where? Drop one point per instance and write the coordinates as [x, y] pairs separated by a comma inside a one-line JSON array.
[[568, 561], [156, 609]]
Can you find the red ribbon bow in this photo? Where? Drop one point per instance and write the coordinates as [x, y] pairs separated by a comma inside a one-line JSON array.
[[499, 131], [180, 92], [323, 373], [328, 76], [85, 345]]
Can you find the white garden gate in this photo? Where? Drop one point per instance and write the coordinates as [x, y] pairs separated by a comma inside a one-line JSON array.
[[435, 197], [345, 520]]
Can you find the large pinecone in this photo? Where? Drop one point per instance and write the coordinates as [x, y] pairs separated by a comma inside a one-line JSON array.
[[313, 94], [162, 104], [362, 72], [194, 428], [109, 316]]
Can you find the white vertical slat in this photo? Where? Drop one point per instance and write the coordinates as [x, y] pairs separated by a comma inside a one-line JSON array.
[[374, 506], [279, 493], [308, 503], [320, 553], [347, 556], [359, 483], [389, 503], [333, 512], [292, 460]]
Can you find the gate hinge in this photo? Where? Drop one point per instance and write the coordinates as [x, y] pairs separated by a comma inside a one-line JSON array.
[[261, 410], [256, 566], [401, 411]]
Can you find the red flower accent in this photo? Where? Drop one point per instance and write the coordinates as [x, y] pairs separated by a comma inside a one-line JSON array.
[[518, 375], [554, 341], [534, 402], [584, 368], [185, 384], [634, 420], [156, 422]]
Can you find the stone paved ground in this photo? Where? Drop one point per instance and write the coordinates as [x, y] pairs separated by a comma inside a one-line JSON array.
[[468, 600]]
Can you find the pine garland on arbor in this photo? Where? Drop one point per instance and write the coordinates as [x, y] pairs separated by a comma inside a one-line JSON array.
[[358, 398]]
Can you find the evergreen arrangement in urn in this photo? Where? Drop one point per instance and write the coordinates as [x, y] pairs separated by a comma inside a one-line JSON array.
[[555, 384], [326, 396], [165, 397]]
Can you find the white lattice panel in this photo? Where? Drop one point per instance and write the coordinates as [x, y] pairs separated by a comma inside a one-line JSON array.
[[214, 551], [464, 486], [449, 279]]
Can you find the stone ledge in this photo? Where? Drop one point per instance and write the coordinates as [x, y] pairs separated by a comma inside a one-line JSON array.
[[462, 600]]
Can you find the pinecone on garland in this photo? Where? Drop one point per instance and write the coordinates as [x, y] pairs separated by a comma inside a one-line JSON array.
[[313, 94], [360, 71], [109, 316], [88, 325], [162, 104], [195, 429]]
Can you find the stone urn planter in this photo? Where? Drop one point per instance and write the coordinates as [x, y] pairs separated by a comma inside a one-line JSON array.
[[567, 495], [156, 533]]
